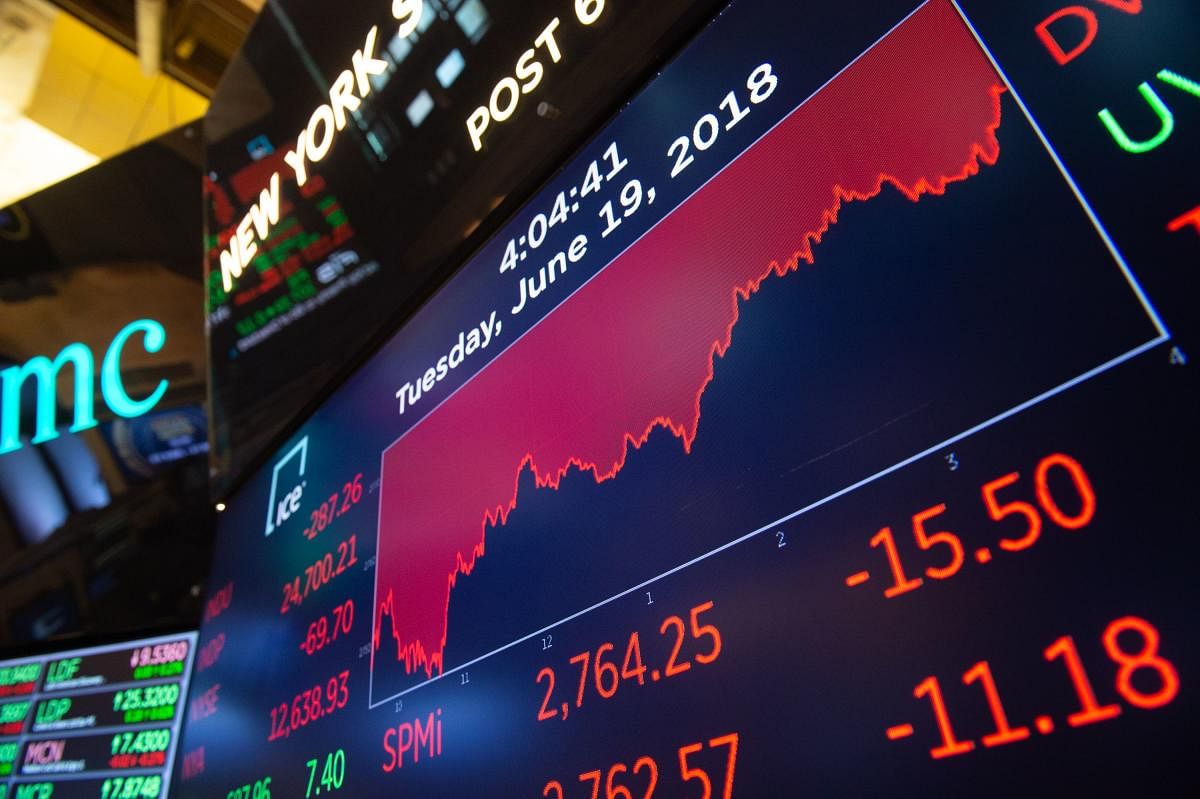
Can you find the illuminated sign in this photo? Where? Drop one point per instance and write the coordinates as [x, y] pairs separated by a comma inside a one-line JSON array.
[[280, 512], [315, 141], [353, 86], [508, 91], [80, 357], [506, 95]]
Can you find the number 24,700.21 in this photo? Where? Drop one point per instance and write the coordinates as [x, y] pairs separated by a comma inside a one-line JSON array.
[[319, 574]]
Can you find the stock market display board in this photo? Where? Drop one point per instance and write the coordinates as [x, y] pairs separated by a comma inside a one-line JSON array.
[[820, 428], [96, 723]]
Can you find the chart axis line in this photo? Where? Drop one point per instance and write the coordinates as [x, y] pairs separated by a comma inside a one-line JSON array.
[[934, 449]]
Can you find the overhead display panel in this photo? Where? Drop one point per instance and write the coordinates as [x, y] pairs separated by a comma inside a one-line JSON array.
[[95, 723], [344, 181], [820, 423]]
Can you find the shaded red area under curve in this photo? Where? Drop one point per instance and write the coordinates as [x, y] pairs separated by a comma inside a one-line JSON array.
[[634, 349]]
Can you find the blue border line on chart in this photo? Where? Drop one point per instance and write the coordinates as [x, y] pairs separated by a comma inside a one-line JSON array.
[[1134, 283], [942, 445]]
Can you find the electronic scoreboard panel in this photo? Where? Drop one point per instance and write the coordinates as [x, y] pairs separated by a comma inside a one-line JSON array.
[[823, 427], [95, 723]]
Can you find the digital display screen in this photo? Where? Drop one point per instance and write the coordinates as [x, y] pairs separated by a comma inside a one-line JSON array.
[[301, 267], [818, 429], [95, 723], [318, 246]]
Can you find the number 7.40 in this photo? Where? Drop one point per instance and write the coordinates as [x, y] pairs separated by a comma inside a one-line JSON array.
[[332, 772]]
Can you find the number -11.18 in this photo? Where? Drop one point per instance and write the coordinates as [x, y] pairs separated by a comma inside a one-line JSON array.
[[1119, 642]]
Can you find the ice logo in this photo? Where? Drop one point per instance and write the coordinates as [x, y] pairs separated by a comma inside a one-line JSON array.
[[280, 510]]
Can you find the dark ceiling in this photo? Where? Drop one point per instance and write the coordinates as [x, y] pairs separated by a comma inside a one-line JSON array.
[[201, 36]]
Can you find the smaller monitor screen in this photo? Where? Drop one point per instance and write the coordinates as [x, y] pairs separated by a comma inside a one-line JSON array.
[[95, 723]]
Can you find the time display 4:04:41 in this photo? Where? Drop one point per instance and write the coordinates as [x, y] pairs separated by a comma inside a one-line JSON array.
[[599, 172]]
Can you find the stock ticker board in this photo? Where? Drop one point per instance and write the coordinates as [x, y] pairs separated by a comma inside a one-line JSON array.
[[822, 428], [95, 723]]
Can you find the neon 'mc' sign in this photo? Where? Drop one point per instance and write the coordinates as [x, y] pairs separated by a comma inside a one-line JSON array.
[[45, 372]]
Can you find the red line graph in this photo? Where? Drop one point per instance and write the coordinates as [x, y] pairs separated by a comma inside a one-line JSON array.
[[635, 349]]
